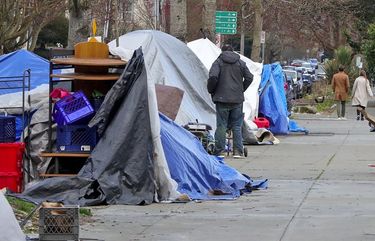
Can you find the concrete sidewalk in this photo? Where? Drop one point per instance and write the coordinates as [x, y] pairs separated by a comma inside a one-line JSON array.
[[320, 189]]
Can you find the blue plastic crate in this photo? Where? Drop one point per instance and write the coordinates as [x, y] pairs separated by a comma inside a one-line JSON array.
[[7, 129], [75, 138], [73, 109]]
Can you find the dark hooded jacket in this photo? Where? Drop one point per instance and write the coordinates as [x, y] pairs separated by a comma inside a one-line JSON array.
[[229, 77]]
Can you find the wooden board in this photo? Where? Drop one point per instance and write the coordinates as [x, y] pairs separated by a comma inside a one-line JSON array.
[[89, 62], [63, 154], [81, 76]]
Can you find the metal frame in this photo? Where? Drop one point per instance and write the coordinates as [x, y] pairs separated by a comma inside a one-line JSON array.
[[25, 80], [55, 53]]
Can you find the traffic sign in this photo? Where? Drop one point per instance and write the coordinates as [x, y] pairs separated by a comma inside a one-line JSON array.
[[226, 22], [226, 14], [226, 31], [226, 25]]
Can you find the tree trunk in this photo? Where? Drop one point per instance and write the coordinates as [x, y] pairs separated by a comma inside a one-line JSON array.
[[242, 43], [208, 18], [79, 26], [258, 26], [34, 38], [179, 19]]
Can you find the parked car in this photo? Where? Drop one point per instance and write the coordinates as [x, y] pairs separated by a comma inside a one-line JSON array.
[[313, 63], [292, 77], [307, 68], [288, 67], [289, 93], [297, 63], [307, 83]]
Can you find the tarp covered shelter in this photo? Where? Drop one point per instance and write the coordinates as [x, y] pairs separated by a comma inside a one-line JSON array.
[[132, 161], [272, 100], [9, 228], [15, 63], [170, 62]]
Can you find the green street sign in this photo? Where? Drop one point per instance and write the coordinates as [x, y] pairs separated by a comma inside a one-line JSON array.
[[226, 22], [226, 14], [226, 25], [226, 30]]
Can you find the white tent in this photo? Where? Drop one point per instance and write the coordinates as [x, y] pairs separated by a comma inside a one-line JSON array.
[[208, 52], [9, 227]]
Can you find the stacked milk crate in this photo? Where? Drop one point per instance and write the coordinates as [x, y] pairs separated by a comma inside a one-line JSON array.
[[72, 114], [11, 155]]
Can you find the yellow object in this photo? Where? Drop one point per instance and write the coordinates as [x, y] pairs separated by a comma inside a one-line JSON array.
[[92, 39]]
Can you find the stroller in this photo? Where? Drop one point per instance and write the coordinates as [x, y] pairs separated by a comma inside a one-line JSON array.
[[202, 132]]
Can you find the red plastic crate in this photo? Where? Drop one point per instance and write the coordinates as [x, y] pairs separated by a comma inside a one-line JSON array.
[[262, 122], [11, 180], [11, 155]]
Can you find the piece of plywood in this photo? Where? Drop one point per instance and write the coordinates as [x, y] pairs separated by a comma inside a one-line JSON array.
[[169, 100]]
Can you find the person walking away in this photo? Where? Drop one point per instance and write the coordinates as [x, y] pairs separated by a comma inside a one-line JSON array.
[[229, 77], [340, 86], [360, 93]]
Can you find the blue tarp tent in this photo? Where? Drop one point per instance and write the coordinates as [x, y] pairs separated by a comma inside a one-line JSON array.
[[197, 173], [272, 100], [15, 63]]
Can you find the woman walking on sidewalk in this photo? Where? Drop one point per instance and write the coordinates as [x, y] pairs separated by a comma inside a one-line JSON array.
[[360, 93]]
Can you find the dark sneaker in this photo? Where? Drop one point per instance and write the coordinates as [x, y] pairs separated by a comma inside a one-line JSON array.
[[237, 155]]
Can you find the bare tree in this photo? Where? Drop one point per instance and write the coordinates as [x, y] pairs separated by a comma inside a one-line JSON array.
[[22, 20], [79, 21], [208, 18], [258, 27], [178, 19]]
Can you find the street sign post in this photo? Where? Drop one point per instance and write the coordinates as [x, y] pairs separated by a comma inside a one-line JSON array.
[[226, 22], [262, 37]]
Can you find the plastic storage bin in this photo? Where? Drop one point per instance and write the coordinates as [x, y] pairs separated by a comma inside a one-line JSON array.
[[75, 138], [7, 129], [73, 109], [11, 155], [11, 180], [262, 122], [59, 223]]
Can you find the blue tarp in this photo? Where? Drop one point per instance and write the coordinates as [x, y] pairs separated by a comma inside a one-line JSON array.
[[272, 100], [197, 173], [294, 127], [15, 63]]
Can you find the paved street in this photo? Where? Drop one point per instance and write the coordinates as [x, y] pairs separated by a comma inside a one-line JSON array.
[[320, 188]]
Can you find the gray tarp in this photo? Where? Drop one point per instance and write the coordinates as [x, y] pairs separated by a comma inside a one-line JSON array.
[[120, 169]]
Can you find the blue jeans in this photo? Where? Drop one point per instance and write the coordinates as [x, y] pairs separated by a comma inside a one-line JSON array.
[[228, 116]]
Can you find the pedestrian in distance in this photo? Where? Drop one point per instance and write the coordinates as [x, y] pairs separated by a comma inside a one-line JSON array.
[[229, 77], [361, 93], [340, 86]]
